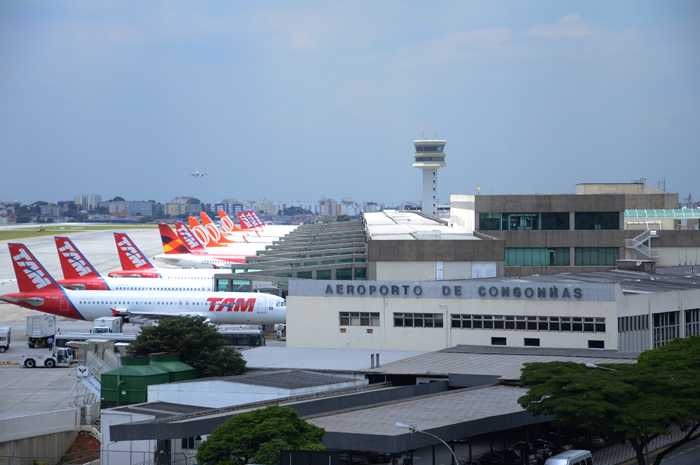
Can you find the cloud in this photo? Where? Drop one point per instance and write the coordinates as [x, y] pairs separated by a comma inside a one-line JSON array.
[[571, 26]]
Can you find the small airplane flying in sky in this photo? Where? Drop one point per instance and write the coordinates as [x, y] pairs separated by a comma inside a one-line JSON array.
[[197, 174]]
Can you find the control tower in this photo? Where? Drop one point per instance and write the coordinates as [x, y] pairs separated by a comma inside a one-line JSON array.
[[429, 157]]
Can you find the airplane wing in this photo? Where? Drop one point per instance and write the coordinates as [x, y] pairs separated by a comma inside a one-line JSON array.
[[121, 312]]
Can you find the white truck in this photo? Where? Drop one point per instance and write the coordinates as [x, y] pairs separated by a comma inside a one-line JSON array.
[[39, 329], [108, 324], [61, 357], [5, 336]]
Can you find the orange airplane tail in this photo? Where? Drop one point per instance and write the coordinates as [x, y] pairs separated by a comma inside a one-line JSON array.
[[227, 223], [171, 243], [202, 235], [213, 231]]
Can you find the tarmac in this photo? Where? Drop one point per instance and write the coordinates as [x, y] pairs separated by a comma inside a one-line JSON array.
[[28, 391]]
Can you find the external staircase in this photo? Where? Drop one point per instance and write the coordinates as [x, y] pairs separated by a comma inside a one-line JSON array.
[[642, 244]]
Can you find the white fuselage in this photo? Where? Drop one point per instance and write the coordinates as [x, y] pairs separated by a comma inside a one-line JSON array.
[[195, 261], [180, 284], [245, 308]]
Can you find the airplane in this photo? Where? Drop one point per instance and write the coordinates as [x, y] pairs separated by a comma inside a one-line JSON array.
[[136, 265], [207, 233], [197, 174], [79, 274], [39, 291], [177, 253]]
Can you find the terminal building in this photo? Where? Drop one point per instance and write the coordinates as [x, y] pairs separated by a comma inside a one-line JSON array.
[[583, 271]]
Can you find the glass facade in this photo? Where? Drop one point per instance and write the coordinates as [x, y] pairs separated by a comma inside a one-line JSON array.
[[359, 319], [597, 220], [529, 323], [418, 320], [429, 158], [343, 274], [692, 322], [557, 221], [323, 274], [360, 274], [597, 256], [558, 256], [666, 328], [304, 274], [429, 148]]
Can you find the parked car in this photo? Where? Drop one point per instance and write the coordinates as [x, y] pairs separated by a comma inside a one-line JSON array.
[[559, 440], [496, 458], [379, 457], [583, 441], [530, 458], [554, 447], [541, 451], [356, 459]]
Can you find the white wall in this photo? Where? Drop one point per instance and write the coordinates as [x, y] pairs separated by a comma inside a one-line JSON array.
[[125, 451], [462, 218], [678, 256], [40, 424], [320, 316]]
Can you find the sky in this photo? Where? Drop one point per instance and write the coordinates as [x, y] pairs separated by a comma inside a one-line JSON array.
[[295, 101]]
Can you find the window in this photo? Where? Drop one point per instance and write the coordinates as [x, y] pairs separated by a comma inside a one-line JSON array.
[[556, 221], [418, 320], [360, 274], [344, 274], [666, 328], [359, 319], [323, 274], [558, 256], [692, 322], [597, 256], [532, 323], [597, 220], [530, 342], [498, 341], [304, 275], [596, 344]]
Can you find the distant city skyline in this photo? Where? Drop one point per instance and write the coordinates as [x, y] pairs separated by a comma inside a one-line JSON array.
[[310, 99]]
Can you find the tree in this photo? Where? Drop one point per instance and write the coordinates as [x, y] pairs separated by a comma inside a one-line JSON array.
[[327, 220], [193, 201], [117, 199], [293, 211], [200, 345], [343, 218], [259, 435], [640, 401]]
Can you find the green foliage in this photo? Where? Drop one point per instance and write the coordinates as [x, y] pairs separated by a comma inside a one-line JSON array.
[[640, 401], [343, 218], [259, 435], [117, 199], [327, 220], [292, 211], [193, 201], [199, 344]]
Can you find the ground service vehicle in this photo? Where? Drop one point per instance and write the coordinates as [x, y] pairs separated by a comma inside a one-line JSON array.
[[5, 334], [61, 357], [107, 324], [243, 338], [571, 457], [39, 329]]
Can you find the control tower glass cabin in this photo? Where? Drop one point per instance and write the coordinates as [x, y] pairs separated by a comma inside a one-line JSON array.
[[429, 157]]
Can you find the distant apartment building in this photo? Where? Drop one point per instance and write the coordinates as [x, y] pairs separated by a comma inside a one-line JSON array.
[[267, 206], [181, 200], [351, 209], [231, 209], [370, 207], [131, 207], [193, 209], [87, 202], [174, 209], [313, 207], [53, 212], [328, 207]]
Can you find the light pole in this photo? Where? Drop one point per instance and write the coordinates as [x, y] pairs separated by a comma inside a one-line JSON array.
[[593, 365], [412, 429]]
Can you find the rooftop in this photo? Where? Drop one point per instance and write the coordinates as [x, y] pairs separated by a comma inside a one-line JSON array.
[[410, 226], [289, 379]]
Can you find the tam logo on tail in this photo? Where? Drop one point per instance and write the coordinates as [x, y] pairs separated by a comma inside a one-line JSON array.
[[185, 234], [75, 259], [245, 221], [131, 252], [31, 268]]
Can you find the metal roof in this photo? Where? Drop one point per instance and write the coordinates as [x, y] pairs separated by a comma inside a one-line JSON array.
[[296, 379], [332, 360], [663, 214], [409, 226], [663, 279], [160, 409], [506, 366]]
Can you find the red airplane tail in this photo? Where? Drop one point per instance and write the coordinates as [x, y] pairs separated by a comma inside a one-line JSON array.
[[73, 262], [171, 244], [189, 239], [31, 275], [227, 223], [260, 222], [212, 231], [246, 222], [130, 256]]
